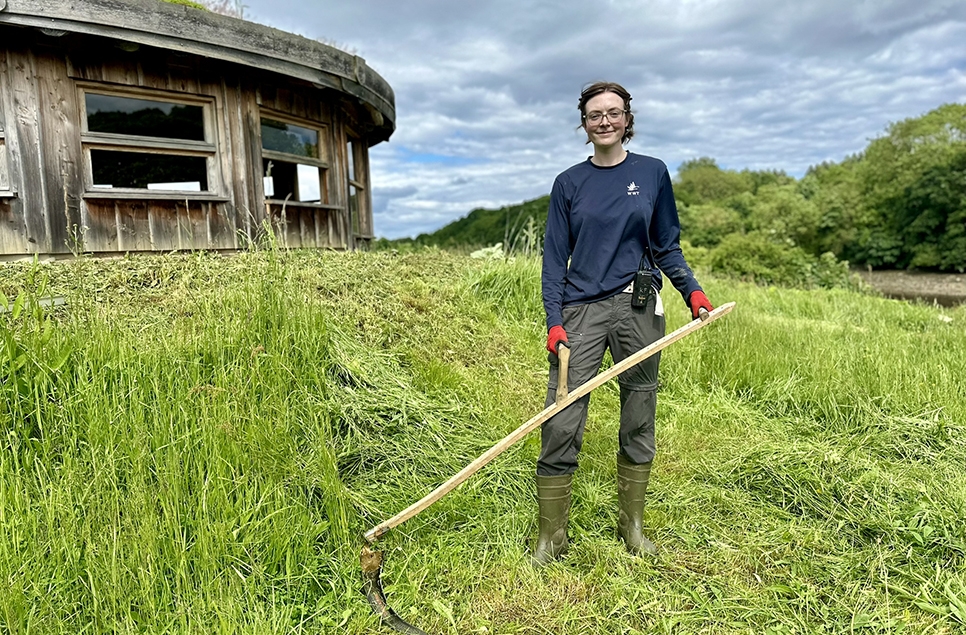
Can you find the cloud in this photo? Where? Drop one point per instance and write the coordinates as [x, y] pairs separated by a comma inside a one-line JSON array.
[[486, 93]]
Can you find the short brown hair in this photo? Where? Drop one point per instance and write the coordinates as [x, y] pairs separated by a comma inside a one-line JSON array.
[[591, 91]]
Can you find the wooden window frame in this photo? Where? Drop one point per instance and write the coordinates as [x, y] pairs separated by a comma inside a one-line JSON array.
[[323, 163], [358, 177], [208, 149], [6, 191]]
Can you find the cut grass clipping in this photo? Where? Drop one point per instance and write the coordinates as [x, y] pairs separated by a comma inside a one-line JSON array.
[[195, 444]]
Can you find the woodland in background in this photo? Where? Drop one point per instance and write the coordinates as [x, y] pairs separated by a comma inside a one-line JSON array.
[[899, 204]]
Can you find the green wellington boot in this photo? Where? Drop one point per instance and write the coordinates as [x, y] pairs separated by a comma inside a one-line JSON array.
[[631, 491], [553, 497]]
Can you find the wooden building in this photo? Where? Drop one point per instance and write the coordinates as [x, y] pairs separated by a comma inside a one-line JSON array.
[[142, 126]]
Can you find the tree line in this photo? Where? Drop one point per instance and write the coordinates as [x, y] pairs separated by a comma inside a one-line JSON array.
[[898, 204]]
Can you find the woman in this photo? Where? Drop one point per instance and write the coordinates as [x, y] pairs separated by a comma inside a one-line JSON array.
[[610, 216]]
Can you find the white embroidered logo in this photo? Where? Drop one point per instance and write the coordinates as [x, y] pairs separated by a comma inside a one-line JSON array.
[[633, 189]]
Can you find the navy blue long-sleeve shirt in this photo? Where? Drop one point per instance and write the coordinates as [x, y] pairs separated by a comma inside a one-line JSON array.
[[600, 220]]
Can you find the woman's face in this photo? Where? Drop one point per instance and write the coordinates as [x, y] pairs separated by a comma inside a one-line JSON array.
[[605, 133]]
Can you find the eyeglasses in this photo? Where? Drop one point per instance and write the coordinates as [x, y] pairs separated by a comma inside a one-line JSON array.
[[613, 116]]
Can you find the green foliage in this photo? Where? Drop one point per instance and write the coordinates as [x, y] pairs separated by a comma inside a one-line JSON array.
[[188, 3], [759, 257], [834, 188], [230, 8], [519, 227], [26, 377], [705, 225], [901, 203], [761, 178], [934, 217], [512, 287], [783, 212], [195, 444], [914, 186], [702, 181], [697, 257]]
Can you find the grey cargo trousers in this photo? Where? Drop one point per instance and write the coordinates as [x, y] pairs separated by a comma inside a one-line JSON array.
[[591, 329]]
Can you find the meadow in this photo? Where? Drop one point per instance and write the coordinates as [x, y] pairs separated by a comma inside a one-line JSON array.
[[196, 444]]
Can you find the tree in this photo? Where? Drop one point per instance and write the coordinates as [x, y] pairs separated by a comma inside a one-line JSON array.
[[761, 178], [836, 192], [914, 184], [933, 216], [702, 181], [783, 212], [707, 224]]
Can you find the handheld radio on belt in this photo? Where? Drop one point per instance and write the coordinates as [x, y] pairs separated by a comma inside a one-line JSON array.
[[642, 291]]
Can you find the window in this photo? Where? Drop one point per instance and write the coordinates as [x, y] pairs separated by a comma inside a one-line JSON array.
[[358, 196], [294, 161], [4, 174], [148, 146]]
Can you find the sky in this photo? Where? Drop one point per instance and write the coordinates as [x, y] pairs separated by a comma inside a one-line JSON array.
[[486, 91]]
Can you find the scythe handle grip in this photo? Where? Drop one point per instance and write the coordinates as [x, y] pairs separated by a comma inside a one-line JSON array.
[[563, 358]]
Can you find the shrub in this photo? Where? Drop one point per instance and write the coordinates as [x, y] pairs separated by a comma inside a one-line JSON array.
[[758, 258], [696, 257], [706, 225]]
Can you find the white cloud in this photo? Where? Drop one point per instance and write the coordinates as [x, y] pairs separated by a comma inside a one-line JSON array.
[[486, 92]]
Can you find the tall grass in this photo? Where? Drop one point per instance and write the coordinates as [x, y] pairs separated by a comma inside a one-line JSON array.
[[195, 443]]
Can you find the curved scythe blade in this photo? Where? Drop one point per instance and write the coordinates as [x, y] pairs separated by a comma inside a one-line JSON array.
[[371, 570]]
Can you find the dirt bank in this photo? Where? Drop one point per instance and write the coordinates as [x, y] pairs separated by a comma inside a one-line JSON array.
[[946, 289]]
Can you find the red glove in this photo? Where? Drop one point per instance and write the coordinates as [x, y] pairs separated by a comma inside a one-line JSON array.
[[556, 335], [698, 300]]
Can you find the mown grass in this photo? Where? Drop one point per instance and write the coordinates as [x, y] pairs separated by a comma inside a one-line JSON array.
[[196, 443]]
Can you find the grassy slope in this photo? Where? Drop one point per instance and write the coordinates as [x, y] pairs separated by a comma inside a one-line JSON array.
[[195, 444], [519, 227]]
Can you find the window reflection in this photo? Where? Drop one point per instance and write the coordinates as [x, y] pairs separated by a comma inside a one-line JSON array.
[[289, 138], [354, 210], [4, 182], [144, 117], [351, 152]]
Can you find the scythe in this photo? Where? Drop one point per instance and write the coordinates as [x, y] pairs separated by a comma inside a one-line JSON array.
[[372, 560]]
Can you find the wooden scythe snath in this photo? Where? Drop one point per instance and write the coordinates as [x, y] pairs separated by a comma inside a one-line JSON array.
[[372, 560]]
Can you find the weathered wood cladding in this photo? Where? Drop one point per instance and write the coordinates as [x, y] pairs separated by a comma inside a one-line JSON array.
[[51, 204], [198, 33]]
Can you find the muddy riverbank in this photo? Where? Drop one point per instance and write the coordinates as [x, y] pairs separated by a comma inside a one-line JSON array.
[[945, 289]]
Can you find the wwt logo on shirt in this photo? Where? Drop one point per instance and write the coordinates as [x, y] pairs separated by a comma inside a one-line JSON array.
[[633, 189]]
